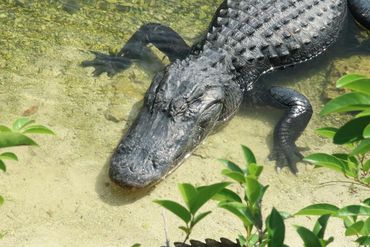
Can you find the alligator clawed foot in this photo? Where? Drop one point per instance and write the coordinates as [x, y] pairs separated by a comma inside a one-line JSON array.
[[110, 64], [286, 156]]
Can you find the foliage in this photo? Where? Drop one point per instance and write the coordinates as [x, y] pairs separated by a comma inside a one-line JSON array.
[[17, 135], [136, 245], [194, 198], [247, 208], [356, 219], [355, 134]]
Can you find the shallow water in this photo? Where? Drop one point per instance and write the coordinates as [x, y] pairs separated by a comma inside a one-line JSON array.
[[59, 194]]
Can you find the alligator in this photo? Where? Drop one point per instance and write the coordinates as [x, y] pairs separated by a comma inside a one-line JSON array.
[[205, 84]]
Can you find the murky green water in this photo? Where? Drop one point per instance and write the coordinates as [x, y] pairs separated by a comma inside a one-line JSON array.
[[60, 195]]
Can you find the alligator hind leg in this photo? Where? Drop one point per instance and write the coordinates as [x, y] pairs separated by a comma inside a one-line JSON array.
[[135, 50], [297, 114]]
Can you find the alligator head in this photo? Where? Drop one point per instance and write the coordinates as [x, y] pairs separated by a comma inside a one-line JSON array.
[[182, 106]]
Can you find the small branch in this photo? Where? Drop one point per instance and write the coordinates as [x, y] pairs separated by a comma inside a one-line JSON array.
[[344, 182], [187, 234], [165, 229]]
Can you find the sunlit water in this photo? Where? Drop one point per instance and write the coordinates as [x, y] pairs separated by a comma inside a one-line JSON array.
[[59, 194]]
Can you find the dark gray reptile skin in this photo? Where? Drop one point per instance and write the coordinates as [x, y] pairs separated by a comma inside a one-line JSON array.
[[205, 84]]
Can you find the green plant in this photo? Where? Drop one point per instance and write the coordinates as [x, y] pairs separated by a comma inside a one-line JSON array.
[[194, 198], [136, 245], [356, 219], [355, 134], [17, 136], [247, 208]]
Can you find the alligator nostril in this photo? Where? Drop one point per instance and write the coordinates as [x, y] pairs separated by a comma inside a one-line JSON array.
[[131, 168], [154, 164]]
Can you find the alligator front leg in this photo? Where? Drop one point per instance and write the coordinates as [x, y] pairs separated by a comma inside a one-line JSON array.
[[297, 114], [135, 50]]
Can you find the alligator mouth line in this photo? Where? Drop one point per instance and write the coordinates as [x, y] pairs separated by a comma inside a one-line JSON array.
[[154, 183]]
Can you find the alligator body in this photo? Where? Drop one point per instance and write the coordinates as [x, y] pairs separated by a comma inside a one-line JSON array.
[[205, 84]]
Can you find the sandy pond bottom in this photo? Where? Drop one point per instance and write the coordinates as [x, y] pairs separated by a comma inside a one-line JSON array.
[[59, 194]]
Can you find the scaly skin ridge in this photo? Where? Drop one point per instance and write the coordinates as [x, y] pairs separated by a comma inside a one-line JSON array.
[[205, 84]]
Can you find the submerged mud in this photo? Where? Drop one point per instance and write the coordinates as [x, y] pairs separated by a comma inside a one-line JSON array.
[[59, 194]]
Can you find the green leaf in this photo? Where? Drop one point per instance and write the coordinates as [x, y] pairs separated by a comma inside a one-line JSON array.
[[327, 132], [359, 85], [254, 170], [348, 221], [366, 167], [227, 196], [326, 160], [21, 123], [355, 228], [347, 102], [189, 194], [8, 156], [185, 229], [176, 208], [363, 241], [363, 113], [236, 176], [1, 200], [232, 166], [308, 237], [366, 132], [248, 155], [362, 148], [206, 193], [3, 128], [38, 129], [365, 231], [242, 240], [253, 190], [367, 201], [136, 245], [252, 240], [318, 209], [347, 79], [351, 131], [320, 226], [240, 210], [11, 139], [354, 210], [327, 242], [275, 229], [2, 166], [199, 217], [350, 164], [366, 180]]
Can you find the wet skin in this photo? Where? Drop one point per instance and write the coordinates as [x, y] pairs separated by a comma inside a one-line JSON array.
[[205, 84]]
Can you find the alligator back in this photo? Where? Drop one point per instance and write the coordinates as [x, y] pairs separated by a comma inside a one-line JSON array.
[[266, 34]]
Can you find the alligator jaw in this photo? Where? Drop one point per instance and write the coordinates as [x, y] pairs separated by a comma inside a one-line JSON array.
[[153, 147]]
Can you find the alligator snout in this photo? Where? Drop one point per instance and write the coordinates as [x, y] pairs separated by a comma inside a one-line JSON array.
[[150, 149], [135, 169]]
